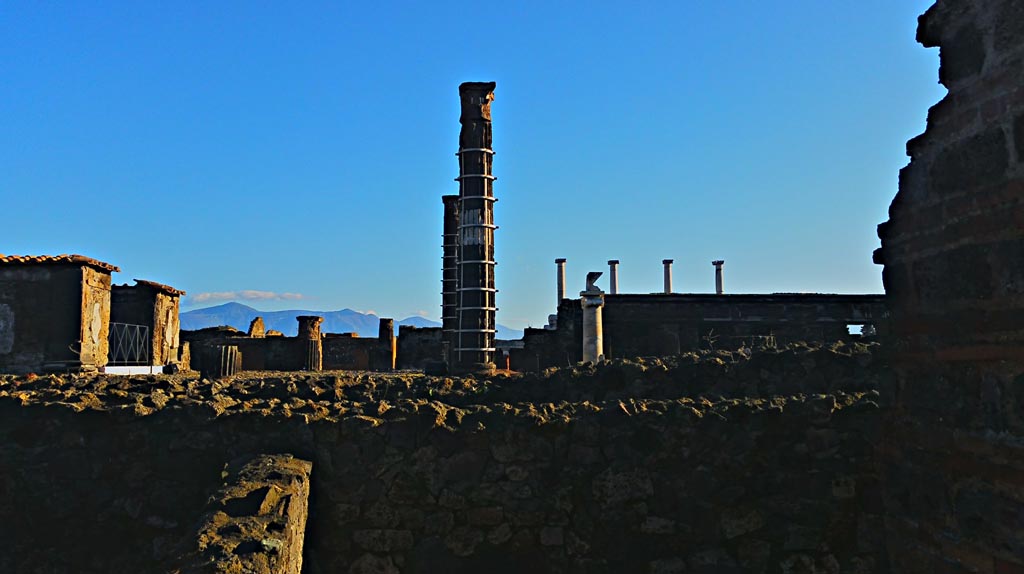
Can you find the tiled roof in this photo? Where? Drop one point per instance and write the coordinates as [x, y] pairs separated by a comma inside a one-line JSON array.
[[160, 287], [57, 259]]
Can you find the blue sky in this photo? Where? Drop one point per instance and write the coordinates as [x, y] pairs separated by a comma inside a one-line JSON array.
[[295, 155]]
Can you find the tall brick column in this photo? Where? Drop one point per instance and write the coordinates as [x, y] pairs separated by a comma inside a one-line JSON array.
[[450, 275], [309, 330], [476, 313]]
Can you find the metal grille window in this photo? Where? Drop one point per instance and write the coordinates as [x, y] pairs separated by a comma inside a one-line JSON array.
[[129, 344]]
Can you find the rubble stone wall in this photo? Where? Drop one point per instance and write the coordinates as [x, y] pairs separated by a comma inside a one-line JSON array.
[[420, 474]]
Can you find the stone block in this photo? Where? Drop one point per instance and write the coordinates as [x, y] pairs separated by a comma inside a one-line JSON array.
[[257, 522]]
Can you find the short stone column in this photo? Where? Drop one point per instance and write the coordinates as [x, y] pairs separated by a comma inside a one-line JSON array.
[[613, 276], [592, 301], [559, 281], [309, 330], [668, 274], [719, 278]]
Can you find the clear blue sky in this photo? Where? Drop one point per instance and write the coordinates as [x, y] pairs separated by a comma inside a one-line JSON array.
[[224, 147]]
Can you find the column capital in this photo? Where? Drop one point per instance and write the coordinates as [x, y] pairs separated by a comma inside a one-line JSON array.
[[476, 100]]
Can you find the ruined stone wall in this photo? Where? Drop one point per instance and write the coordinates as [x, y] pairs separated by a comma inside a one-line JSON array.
[[418, 474], [560, 347], [348, 353], [953, 252], [358, 353], [418, 346], [659, 325]]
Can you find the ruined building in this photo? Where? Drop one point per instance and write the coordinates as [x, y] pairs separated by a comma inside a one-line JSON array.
[[310, 350], [145, 325], [62, 313], [54, 313]]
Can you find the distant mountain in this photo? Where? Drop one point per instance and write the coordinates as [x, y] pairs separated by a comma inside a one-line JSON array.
[[239, 316]]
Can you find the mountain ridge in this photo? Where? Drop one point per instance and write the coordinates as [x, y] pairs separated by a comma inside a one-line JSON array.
[[239, 315]]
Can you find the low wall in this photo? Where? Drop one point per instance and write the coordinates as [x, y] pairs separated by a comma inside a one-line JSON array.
[[420, 474], [418, 346], [357, 354]]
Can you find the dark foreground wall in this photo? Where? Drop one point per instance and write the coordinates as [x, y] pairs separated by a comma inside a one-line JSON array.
[[953, 252], [415, 485]]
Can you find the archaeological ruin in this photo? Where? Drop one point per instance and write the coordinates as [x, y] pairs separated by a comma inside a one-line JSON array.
[[660, 433]]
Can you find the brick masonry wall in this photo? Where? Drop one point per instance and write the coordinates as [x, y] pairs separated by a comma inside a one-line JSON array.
[[953, 251]]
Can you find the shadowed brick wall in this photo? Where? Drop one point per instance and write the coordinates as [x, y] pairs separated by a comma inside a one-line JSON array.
[[953, 251]]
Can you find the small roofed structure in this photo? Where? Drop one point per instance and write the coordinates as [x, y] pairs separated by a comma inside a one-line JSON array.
[[54, 313], [145, 325]]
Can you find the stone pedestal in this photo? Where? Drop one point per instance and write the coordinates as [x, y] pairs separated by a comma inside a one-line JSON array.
[[593, 330]]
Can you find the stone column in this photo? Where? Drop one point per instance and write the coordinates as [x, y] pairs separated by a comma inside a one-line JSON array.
[[559, 281], [719, 279], [388, 345], [668, 274], [450, 275], [475, 350], [592, 301], [309, 330], [613, 276]]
